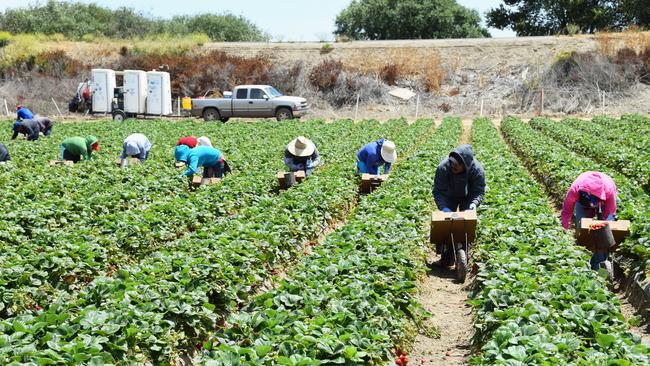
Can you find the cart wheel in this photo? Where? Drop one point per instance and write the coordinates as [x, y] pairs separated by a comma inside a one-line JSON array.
[[607, 266], [461, 265], [119, 116]]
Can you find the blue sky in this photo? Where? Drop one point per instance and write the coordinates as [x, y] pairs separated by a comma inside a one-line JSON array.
[[286, 20]]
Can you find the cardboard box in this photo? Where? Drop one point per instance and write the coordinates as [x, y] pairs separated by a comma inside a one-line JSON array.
[[300, 176], [370, 182], [61, 162], [130, 161], [444, 224], [620, 229], [198, 181]]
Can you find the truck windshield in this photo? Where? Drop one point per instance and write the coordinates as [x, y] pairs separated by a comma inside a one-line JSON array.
[[273, 92]]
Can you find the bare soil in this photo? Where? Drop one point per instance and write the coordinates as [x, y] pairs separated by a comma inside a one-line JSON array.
[[446, 299]]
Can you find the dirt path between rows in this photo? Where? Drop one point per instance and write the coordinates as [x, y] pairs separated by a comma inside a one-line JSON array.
[[446, 299]]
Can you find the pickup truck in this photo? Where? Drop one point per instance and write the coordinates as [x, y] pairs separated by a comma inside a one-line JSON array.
[[250, 101]]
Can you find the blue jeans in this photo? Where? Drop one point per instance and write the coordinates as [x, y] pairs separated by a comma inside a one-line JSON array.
[[581, 212]]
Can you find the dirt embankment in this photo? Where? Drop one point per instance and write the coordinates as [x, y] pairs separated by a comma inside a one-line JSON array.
[[492, 77]]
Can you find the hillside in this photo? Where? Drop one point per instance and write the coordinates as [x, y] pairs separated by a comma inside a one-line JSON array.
[[459, 77]]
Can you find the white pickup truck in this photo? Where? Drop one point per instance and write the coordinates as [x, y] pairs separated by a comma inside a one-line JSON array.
[[262, 101]]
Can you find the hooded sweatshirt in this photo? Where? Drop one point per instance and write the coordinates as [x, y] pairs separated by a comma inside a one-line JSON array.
[[44, 123], [467, 185], [4, 153], [136, 144], [595, 183], [200, 156], [371, 156], [79, 145], [24, 113], [27, 127]]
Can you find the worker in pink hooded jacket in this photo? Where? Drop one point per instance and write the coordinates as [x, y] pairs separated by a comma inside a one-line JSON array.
[[592, 195]]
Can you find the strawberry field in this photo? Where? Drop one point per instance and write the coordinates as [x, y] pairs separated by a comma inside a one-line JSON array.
[[102, 265]]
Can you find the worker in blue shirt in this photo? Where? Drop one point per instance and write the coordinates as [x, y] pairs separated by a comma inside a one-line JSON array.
[[23, 113], [375, 154], [209, 158]]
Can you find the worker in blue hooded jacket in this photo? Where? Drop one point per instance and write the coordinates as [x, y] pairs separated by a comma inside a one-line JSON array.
[[459, 183], [209, 158]]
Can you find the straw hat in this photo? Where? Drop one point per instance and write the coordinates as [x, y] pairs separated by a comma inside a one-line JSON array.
[[301, 146], [388, 152]]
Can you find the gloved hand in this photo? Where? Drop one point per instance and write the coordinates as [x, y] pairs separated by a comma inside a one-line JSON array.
[[611, 217], [472, 207], [446, 209]]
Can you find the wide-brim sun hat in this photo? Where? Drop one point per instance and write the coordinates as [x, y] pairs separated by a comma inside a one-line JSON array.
[[388, 152], [301, 146]]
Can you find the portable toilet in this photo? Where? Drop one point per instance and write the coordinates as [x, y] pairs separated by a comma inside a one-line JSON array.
[[103, 87], [135, 91], [159, 93]]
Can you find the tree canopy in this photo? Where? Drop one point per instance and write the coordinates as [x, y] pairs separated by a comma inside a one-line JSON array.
[[408, 19], [549, 17], [75, 20]]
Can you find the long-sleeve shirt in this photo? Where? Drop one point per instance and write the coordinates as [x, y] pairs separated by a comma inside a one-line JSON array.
[[201, 156], [190, 141], [4, 153], [295, 163], [595, 183], [24, 113], [136, 144], [370, 155], [78, 146], [28, 127], [469, 184]]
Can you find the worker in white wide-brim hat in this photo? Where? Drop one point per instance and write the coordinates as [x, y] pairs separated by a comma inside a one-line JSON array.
[[301, 154], [375, 154]]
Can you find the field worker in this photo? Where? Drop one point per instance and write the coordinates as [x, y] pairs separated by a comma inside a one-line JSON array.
[[592, 195], [189, 141], [209, 158], [4, 154], [28, 127], [45, 125], [22, 113], [375, 154], [301, 154], [459, 183], [203, 141], [136, 145], [73, 148]]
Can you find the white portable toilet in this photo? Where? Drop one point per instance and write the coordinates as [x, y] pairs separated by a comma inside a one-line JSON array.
[[135, 91], [103, 88], [159, 93]]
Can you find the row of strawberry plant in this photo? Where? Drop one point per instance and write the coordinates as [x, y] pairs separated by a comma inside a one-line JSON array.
[[36, 271], [175, 297], [536, 300], [557, 167], [620, 156], [350, 300], [631, 129]]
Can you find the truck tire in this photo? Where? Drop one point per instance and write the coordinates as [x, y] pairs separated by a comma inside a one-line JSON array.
[[224, 119], [210, 114], [283, 114]]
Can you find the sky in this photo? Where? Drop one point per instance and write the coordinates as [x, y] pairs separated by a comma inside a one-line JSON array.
[[284, 20]]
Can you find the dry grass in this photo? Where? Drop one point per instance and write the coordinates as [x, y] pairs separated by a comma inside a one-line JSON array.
[[609, 44]]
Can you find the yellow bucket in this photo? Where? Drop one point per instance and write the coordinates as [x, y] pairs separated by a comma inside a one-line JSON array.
[[186, 103]]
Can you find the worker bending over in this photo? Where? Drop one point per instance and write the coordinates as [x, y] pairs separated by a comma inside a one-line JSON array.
[[301, 154], [136, 145], [375, 154], [73, 148], [459, 183]]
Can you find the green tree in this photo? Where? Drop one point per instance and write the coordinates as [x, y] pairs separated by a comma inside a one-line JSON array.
[[549, 17], [408, 19], [75, 19]]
